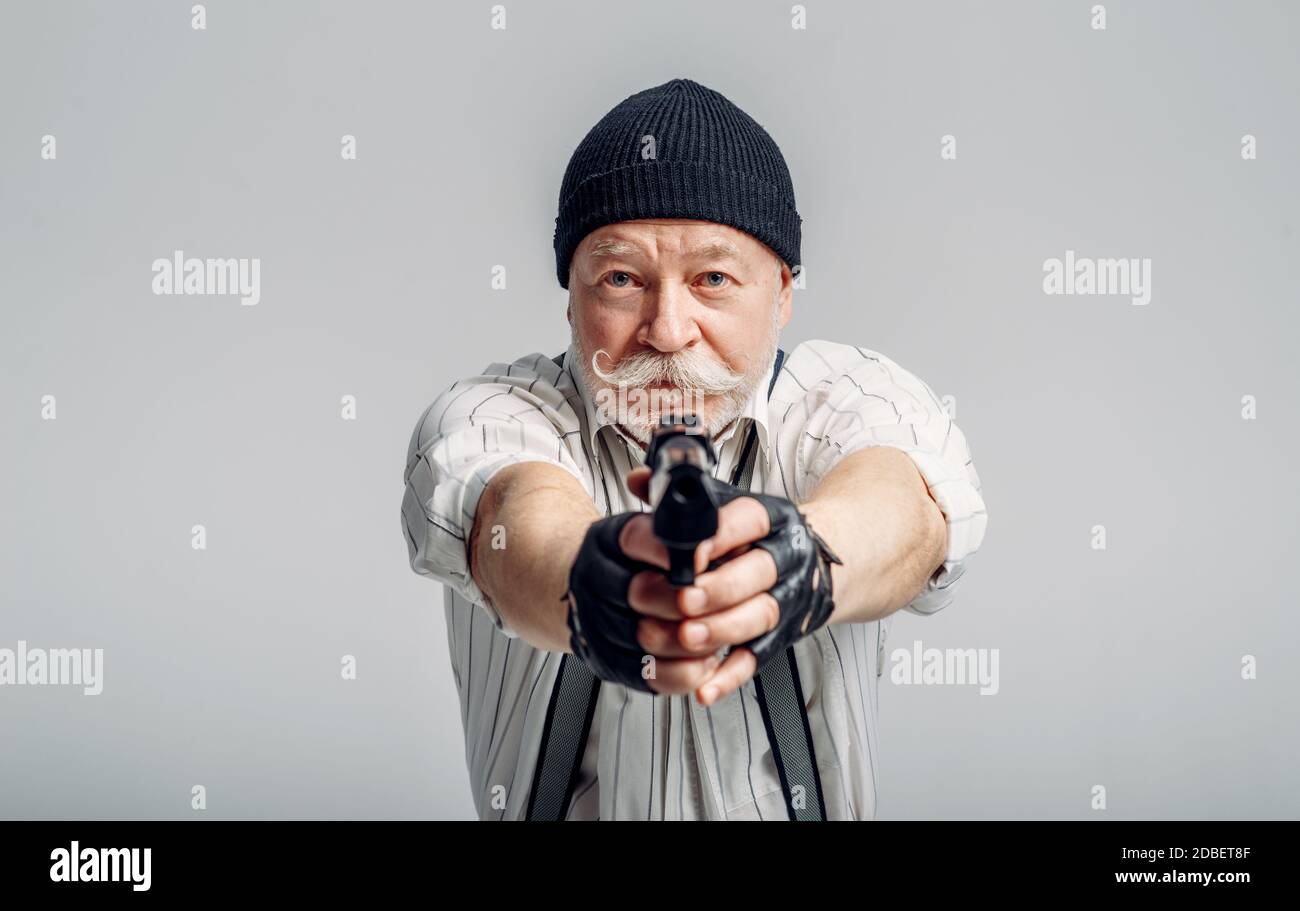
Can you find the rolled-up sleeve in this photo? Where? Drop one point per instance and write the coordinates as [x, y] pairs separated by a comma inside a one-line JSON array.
[[865, 399], [506, 415]]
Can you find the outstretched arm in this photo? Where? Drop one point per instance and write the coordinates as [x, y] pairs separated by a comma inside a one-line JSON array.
[[527, 530], [874, 511]]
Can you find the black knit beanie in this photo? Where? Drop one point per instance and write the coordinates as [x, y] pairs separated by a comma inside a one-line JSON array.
[[711, 161]]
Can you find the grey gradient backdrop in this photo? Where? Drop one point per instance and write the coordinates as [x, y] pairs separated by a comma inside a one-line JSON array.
[[1118, 668]]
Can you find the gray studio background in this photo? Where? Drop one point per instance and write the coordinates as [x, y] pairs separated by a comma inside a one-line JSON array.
[[222, 667]]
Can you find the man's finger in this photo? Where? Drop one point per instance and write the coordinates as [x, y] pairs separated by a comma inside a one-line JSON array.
[[679, 676], [661, 639], [651, 593], [730, 676], [638, 482], [748, 620], [742, 521], [731, 583], [637, 540]]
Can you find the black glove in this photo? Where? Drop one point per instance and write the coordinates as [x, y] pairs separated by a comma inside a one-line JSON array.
[[800, 555], [603, 627], [601, 624]]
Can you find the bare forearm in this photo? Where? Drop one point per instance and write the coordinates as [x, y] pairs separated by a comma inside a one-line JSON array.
[[874, 511], [528, 528]]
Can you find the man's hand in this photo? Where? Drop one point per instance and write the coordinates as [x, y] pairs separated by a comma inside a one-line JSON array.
[[762, 582], [608, 611]]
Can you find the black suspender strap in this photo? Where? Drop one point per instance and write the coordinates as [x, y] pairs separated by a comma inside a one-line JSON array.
[[780, 699], [564, 739], [564, 736]]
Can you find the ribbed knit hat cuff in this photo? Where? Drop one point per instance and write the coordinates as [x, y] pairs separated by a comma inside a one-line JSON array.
[[678, 189]]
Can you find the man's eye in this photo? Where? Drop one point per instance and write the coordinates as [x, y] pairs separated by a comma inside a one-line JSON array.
[[620, 279], [715, 279]]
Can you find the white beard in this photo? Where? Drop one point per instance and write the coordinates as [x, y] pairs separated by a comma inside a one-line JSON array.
[[720, 413]]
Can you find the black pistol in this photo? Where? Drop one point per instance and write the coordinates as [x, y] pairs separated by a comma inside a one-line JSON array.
[[685, 504]]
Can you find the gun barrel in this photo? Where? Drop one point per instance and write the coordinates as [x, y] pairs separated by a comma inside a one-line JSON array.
[[685, 506]]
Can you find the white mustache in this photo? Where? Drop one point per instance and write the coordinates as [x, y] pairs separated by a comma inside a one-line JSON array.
[[686, 370]]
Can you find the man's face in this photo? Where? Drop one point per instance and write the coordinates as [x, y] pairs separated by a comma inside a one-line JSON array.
[[680, 311]]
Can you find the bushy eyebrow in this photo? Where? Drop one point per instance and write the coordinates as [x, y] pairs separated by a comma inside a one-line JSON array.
[[716, 249], [611, 247]]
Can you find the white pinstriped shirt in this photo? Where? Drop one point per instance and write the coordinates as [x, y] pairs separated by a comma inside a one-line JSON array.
[[667, 757]]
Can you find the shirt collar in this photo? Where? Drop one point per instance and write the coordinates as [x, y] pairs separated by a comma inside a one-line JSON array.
[[755, 411]]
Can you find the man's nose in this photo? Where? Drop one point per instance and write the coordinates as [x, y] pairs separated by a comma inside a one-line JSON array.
[[670, 324]]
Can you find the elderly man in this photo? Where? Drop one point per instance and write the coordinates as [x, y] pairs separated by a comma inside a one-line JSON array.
[[590, 687]]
